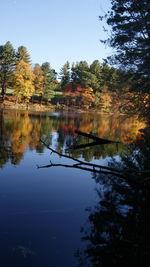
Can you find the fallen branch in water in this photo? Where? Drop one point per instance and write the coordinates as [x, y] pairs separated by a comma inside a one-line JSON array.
[[80, 161], [99, 140], [78, 166], [129, 175]]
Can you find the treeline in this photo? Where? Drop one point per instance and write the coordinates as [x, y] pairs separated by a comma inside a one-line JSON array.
[[97, 86], [80, 84]]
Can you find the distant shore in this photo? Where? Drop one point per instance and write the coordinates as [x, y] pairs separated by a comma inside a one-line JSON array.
[[22, 106], [51, 108]]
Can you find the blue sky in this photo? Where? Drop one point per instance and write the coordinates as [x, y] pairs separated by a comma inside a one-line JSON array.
[[55, 30]]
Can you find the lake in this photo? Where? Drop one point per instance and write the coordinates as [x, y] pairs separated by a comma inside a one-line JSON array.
[[50, 216]]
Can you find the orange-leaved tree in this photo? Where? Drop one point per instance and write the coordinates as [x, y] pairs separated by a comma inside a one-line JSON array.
[[88, 97], [72, 94], [23, 81]]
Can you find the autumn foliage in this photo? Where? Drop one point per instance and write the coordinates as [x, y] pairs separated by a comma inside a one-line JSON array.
[[23, 81], [96, 86], [76, 95]]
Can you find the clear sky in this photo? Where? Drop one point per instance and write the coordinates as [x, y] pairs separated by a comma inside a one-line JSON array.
[[55, 30]]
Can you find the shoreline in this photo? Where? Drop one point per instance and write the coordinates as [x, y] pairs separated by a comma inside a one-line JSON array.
[[32, 107]]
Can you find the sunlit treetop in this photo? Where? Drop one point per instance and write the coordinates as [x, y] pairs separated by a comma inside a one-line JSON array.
[[22, 54]]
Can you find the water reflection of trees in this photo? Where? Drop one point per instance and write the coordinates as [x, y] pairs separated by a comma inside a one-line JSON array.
[[117, 232], [21, 130], [118, 229]]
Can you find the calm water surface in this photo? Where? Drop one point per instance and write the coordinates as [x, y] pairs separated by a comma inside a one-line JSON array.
[[44, 211]]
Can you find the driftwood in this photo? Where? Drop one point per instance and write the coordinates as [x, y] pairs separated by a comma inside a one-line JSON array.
[[99, 140], [84, 145], [129, 175]]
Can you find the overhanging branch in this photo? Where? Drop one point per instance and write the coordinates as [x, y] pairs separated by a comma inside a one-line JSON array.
[[129, 175]]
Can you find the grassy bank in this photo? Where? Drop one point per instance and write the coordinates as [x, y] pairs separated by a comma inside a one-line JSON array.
[[22, 106], [36, 105]]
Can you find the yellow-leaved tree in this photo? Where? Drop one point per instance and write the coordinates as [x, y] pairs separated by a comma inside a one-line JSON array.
[[38, 80], [23, 82]]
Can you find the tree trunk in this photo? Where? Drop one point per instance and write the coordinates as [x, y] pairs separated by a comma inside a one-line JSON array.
[[4, 86]]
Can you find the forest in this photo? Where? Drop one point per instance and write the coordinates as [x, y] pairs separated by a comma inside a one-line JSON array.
[[98, 86]]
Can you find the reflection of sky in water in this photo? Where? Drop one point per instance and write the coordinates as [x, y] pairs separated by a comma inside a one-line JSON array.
[[43, 208]]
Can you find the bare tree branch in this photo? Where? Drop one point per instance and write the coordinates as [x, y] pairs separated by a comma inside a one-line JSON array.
[[129, 175], [77, 166], [80, 161]]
